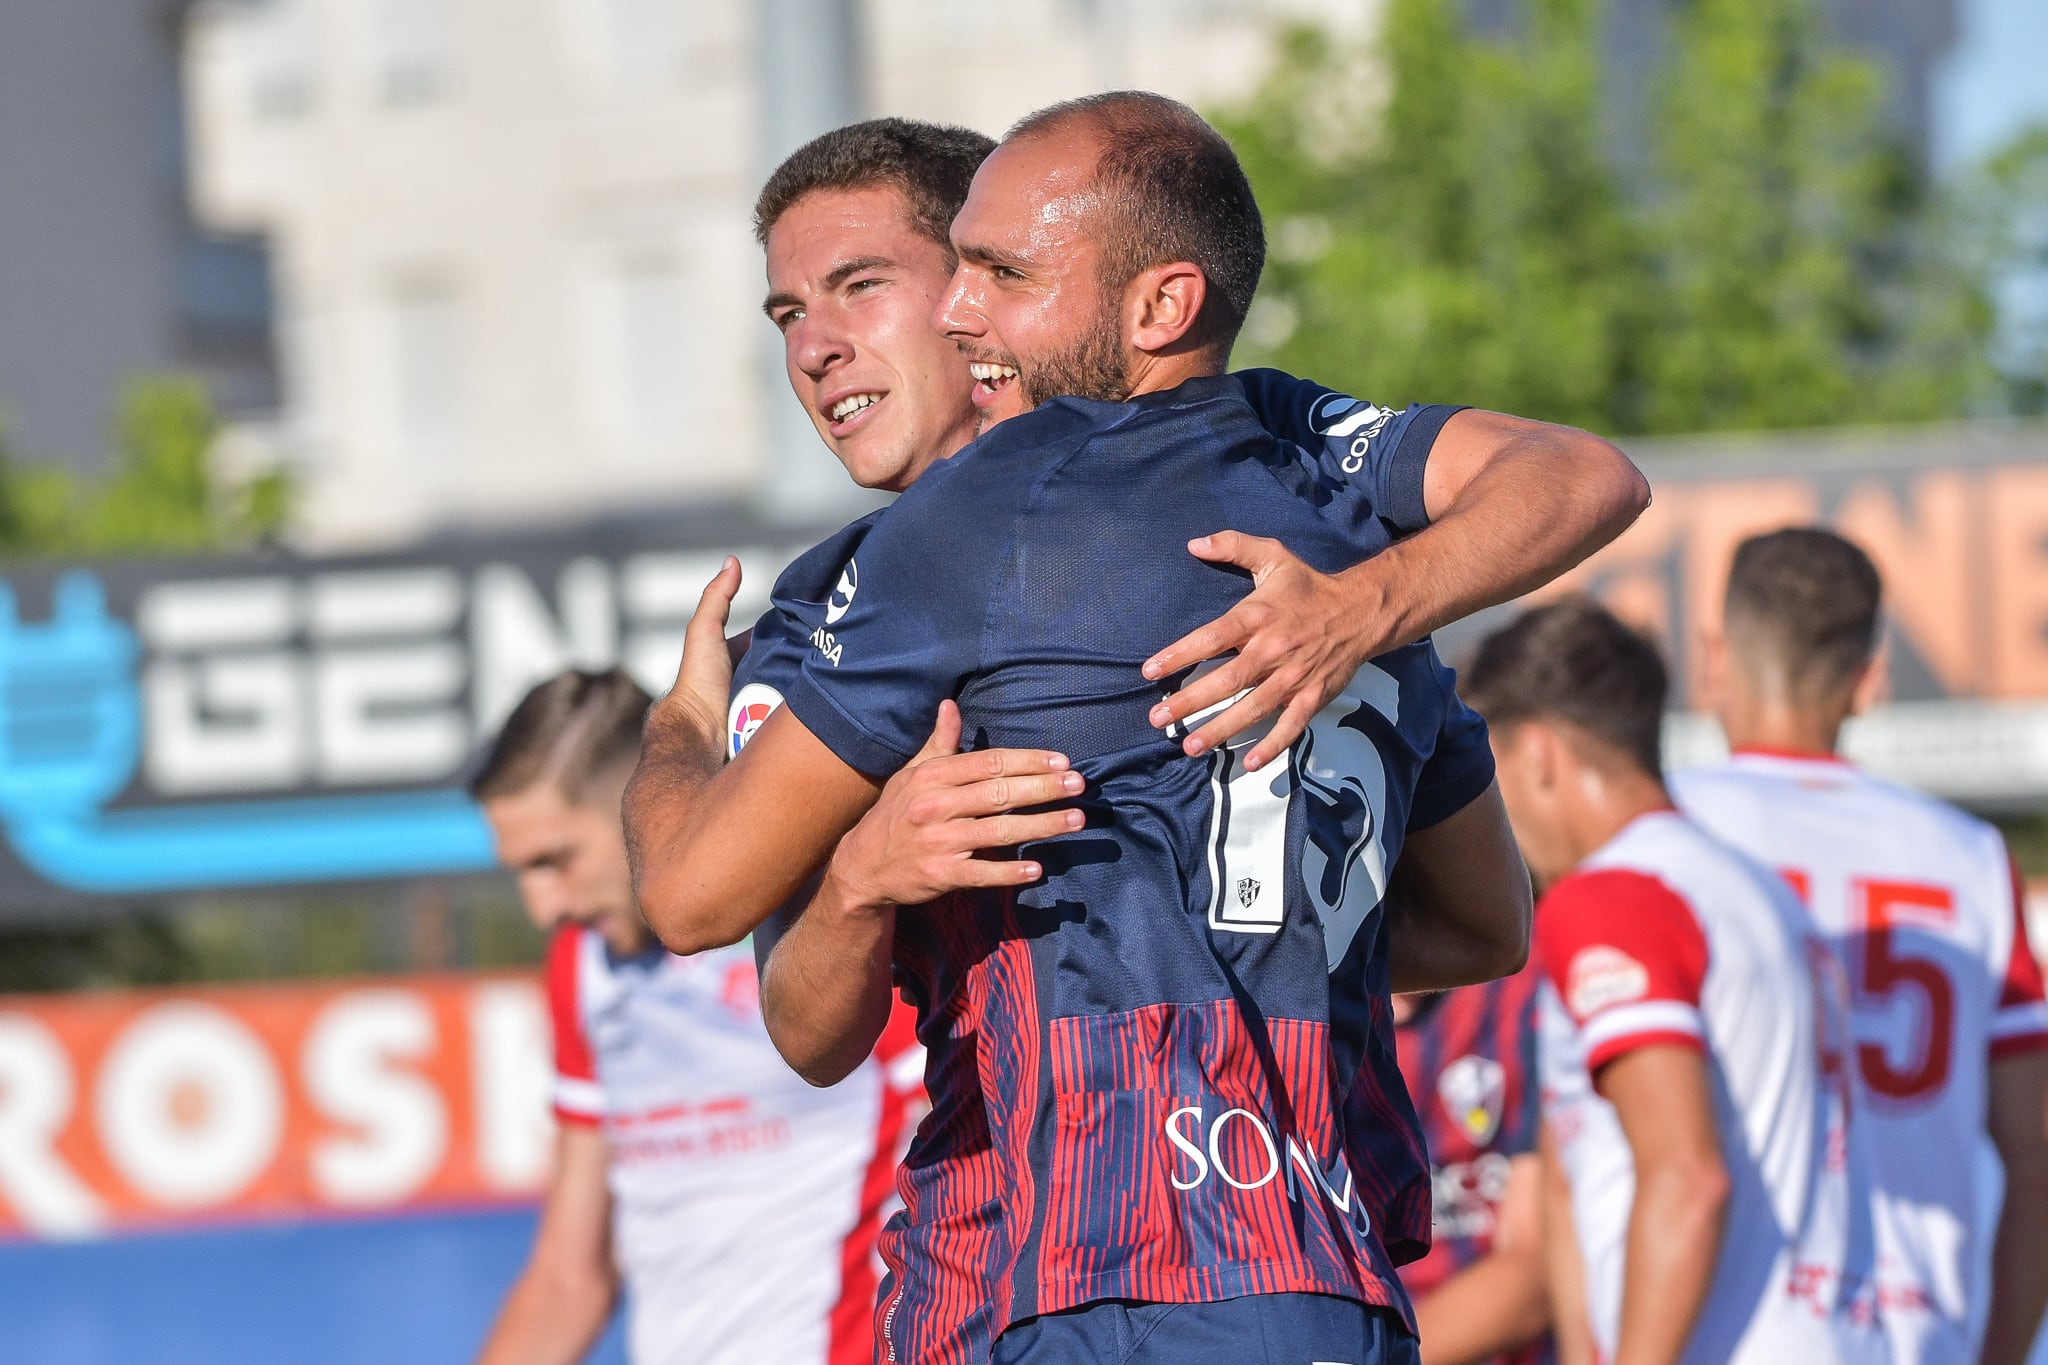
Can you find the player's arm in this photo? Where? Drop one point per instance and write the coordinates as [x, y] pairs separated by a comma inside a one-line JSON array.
[[1512, 504], [1497, 1303], [2017, 1120], [1571, 1326], [564, 1297], [718, 849], [1662, 1098], [1460, 906], [825, 991], [2018, 1123]]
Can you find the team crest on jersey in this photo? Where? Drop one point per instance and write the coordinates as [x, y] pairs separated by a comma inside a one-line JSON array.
[[751, 707], [1473, 1090], [1601, 977], [1247, 892]]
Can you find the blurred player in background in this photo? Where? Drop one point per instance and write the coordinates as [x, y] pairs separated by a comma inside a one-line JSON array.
[[1692, 1028], [738, 1205], [1469, 1058], [1951, 1034]]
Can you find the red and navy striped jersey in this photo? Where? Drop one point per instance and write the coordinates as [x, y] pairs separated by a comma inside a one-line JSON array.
[[1168, 1072], [1469, 1057]]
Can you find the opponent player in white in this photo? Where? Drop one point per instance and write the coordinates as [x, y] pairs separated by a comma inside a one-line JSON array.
[[1694, 1087], [739, 1204], [1951, 1035]]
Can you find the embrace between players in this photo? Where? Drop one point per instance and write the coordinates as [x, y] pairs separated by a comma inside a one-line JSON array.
[[1149, 910]]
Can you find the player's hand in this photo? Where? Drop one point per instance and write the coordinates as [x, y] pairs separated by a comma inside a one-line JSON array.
[[703, 685], [934, 818], [1299, 636]]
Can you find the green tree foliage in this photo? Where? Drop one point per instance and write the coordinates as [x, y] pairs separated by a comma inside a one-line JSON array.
[[162, 495], [1470, 235]]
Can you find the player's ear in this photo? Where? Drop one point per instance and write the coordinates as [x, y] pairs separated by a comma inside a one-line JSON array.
[[1873, 684], [1162, 304]]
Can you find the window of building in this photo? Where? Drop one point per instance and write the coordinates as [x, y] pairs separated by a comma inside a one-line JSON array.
[[279, 35], [423, 365], [636, 353], [413, 50], [646, 38]]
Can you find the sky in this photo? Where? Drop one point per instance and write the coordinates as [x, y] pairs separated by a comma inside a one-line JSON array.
[[1995, 81]]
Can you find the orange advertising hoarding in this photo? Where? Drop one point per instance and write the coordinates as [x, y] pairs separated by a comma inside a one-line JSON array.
[[137, 1109], [1963, 548]]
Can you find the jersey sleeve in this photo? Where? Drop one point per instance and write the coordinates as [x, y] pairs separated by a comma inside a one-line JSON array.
[[1383, 452], [1460, 768], [2020, 1023], [1627, 957], [902, 631], [578, 1096]]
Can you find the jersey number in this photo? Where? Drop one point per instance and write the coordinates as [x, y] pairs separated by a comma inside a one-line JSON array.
[[1887, 970], [1334, 769]]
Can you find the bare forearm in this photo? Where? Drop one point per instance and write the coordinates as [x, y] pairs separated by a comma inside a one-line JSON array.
[[719, 849], [1674, 1239], [826, 993], [2019, 1274], [549, 1319], [1546, 499], [1566, 1280], [1492, 1306], [676, 763]]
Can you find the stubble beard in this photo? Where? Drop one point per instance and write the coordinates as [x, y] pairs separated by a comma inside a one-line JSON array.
[[1093, 367]]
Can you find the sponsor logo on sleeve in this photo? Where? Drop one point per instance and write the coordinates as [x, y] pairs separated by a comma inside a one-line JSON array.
[[841, 600], [1473, 1090], [1602, 977], [751, 707], [1338, 416]]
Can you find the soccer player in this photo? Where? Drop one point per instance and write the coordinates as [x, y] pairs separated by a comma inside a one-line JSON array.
[[1469, 1058], [855, 226], [1149, 1034], [1692, 1027], [738, 1205], [1924, 903]]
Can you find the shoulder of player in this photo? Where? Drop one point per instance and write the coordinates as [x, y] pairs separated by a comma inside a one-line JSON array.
[[1598, 892]]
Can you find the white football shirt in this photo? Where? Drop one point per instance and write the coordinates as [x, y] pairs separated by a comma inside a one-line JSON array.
[[746, 1202], [1665, 936], [1923, 903]]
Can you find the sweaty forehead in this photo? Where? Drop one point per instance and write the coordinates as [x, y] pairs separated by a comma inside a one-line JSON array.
[[1035, 187]]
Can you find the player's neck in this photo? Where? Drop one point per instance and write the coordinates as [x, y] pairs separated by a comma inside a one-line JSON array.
[[1610, 800], [1158, 372], [1773, 725]]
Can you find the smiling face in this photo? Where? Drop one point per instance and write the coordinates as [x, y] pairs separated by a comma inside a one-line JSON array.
[[852, 286], [1027, 306], [570, 859]]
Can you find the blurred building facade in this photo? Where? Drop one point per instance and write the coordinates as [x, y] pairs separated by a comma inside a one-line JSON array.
[[104, 274], [515, 279]]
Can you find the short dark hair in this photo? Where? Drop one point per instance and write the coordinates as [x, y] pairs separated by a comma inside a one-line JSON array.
[[930, 164], [1574, 661], [571, 730], [1803, 603], [1172, 190]]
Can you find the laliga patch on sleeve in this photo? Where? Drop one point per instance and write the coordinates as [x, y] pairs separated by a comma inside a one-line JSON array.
[[1602, 977], [751, 707]]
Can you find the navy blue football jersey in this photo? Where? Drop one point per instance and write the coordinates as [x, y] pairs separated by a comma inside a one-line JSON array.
[[1141, 1069]]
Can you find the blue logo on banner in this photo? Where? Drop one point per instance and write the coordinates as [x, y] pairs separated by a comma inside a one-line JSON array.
[[70, 741]]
